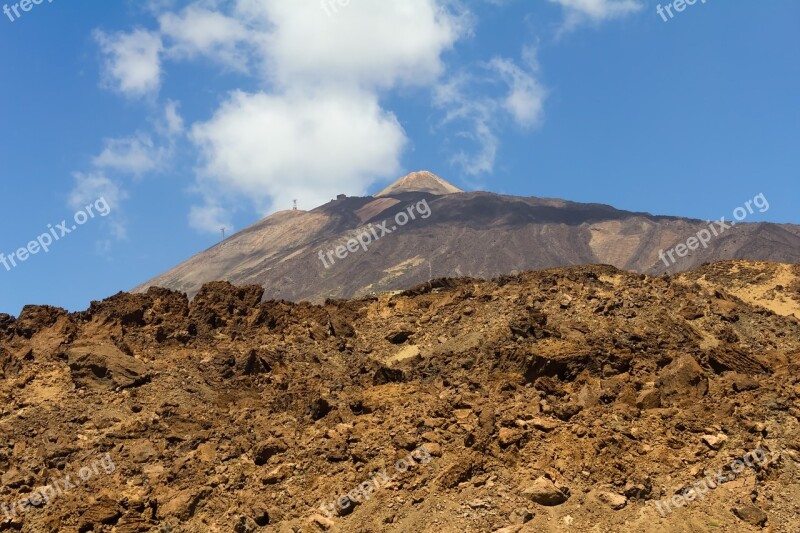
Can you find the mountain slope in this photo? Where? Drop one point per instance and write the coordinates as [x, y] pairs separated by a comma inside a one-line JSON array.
[[476, 234]]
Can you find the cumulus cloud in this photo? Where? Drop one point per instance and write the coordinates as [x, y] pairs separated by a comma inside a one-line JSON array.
[[132, 62], [140, 154], [368, 44], [307, 146], [315, 125], [474, 117], [321, 130], [91, 186]]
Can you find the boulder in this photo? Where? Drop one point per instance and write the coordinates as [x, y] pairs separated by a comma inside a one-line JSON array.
[[751, 514], [544, 492], [508, 436], [105, 366], [682, 382], [715, 442]]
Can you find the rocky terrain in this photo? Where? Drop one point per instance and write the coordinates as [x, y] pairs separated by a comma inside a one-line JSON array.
[[572, 399], [475, 234]]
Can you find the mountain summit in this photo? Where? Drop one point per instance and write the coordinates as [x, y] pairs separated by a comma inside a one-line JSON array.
[[422, 181]]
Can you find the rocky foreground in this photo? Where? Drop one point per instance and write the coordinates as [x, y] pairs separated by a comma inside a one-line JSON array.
[[576, 399]]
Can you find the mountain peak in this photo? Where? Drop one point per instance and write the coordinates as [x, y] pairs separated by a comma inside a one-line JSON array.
[[422, 181]]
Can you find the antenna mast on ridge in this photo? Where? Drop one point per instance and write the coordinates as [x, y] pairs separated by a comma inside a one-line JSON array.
[[295, 205], [223, 233]]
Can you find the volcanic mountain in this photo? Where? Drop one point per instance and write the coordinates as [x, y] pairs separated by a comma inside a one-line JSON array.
[[422, 227]]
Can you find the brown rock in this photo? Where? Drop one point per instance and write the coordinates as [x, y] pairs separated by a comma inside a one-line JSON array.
[[105, 366], [104, 511], [319, 408], [515, 528], [682, 382], [507, 437], [544, 424], [399, 336], [544, 492], [520, 516], [277, 474], [406, 441], [613, 500], [142, 452], [649, 398], [566, 411], [715, 442], [320, 521], [434, 449], [751, 514], [14, 478], [183, 504], [743, 383], [460, 471], [691, 311]]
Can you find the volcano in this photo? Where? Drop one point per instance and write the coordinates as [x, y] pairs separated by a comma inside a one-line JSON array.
[[474, 234]]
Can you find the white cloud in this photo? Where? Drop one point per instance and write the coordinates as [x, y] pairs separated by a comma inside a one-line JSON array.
[[210, 218], [525, 99], [197, 31], [132, 155], [172, 119], [93, 186], [469, 105], [365, 43], [321, 131], [481, 161], [139, 154], [597, 10], [90, 187], [132, 61], [306, 146], [315, 127], [135, 155]]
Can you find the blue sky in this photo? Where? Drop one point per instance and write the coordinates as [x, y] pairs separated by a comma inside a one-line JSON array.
[[185, 116]]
